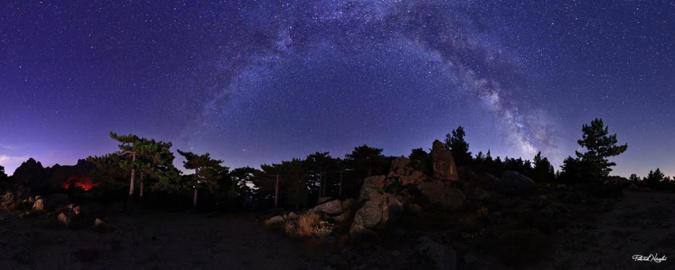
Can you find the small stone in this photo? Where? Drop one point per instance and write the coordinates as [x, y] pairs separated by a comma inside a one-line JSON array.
[[39, 204], [63, 219], [275, 220]]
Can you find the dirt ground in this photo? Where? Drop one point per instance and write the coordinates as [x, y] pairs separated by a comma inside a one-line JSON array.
[[638, 223], [151, 241]]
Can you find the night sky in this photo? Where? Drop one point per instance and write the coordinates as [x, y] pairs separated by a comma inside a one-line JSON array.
[[260, 81]]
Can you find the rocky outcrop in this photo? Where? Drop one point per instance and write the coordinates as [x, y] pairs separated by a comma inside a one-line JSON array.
[[382, 199], [402, 170], [442, 194], [377, 211], [332, 207], [372, 186], [443, 163], [319, 221]]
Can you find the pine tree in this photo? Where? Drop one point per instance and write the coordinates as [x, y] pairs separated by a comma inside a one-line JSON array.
[[321, 173], [207, 171], [655, 177], [362, 162], [599, 147], [155, 162], [421, 160], [129, 146], [459, 147], [634, 178], [543, 170]]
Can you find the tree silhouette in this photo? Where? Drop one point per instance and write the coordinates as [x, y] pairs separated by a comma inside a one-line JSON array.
[[3, 175], [599, 147], [572, 170], [268, 183], [322, 173], [655, 177], [294, 175], [633, 178], [155, 162], [362, 162], [207, 171], [459, 147], [285, 183], [543, 170], [421, 160], [243, 181], [129, 145]]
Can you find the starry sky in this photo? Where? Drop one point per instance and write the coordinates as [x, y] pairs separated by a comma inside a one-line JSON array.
[[256, 82]]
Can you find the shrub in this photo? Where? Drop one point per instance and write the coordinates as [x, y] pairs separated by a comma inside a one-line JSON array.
[[308, 225]]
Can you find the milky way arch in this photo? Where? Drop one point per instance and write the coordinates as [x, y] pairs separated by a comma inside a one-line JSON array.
[[260, 35]]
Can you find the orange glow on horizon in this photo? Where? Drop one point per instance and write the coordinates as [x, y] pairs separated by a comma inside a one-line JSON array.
[[79, 182]]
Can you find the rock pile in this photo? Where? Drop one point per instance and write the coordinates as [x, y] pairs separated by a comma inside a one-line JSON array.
[[382, 199]]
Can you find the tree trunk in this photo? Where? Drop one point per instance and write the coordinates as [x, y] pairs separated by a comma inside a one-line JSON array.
[[276, 192], [341, 182], [140, 191], [132, 181], [195, 192], [322, 189]]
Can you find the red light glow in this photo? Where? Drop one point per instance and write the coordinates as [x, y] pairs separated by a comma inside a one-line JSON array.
[[79, 182]]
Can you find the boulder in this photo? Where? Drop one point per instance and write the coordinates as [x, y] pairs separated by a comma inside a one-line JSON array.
[[405, 173], [39, 204], [347, 204], [443, 162], [101, 226], [68, 214], [323, 200], [8, 200], [514, 183], [64, 218], [372, 186], [274, 221], [333, 207], [342, 218], [99, 222], [442, 194], [436, 255], [369, 215], [291, 215], [376, 212]]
